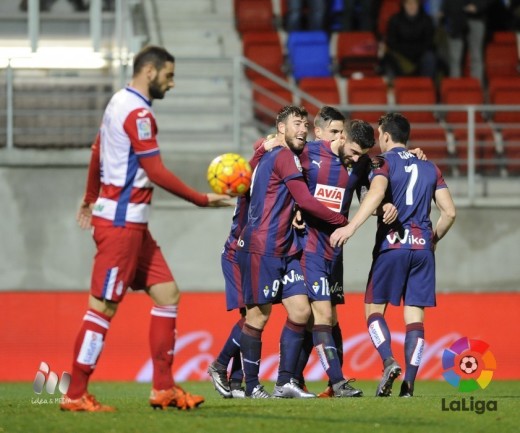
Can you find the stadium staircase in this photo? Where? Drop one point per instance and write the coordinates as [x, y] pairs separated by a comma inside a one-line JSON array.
[[196, 120]]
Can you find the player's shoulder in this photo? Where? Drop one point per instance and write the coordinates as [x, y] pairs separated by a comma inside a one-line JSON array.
[[286, 158], [313, 145], [131, 102]]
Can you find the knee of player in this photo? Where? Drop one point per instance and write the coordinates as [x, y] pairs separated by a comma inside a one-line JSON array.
[[165, 293], [103, 306]]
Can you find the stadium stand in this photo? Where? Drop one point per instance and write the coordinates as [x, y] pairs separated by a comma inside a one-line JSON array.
[[64, 113], [254, 15], [356, 53], [432, 140], [264, 49], [324, 89], [386, 10], [309, 55], [501, 60], [415, 90], [466, 90], [268, 97], [367, 91]]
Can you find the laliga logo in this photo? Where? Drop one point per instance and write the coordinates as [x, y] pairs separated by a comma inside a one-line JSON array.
[[468, 364]]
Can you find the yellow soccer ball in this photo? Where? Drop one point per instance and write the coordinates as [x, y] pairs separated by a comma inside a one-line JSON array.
[[229, 174]]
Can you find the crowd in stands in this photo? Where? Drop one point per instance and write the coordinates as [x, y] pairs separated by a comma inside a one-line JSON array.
[[407, 52], [432, 38]]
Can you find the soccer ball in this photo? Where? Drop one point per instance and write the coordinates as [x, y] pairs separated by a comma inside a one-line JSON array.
[[468, 364], [229, 174]]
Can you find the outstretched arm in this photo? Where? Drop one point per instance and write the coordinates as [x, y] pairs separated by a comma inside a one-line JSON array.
[[161, 176], [372, 200]]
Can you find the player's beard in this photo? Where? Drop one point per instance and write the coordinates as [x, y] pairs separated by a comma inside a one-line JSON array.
[[155, 90], [343, 157], [296, 145]]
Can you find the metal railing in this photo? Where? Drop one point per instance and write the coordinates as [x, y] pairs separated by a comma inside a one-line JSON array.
[[467, 169], [473, 184], [61, 108]]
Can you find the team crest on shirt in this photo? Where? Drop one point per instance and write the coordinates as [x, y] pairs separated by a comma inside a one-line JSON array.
[[298, 163], [144, 128], [376, 163]]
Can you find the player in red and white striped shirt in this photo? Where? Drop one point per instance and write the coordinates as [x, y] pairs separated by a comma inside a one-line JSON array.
[[125, 165]]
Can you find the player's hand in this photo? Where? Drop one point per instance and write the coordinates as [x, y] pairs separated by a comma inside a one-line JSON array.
[[271, 142], [219, 200], [418, 152], [389, 213], [341, 140], [298, 222], [340, 236], [84, 215]]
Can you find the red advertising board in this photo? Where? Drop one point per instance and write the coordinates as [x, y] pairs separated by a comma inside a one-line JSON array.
[[38, 327]]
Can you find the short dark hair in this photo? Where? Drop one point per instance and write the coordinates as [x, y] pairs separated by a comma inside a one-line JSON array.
[[361, 132], [326, 115], [158, 56], [286, 111], [397, 126]]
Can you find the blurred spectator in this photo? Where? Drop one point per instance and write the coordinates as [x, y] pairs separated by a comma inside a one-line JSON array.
[[109, 5], [45, 5], [307, 14], [503, 15], [355, 15], [79, 5], [465, 22], [409, 43], [514, 7], [433, 8]]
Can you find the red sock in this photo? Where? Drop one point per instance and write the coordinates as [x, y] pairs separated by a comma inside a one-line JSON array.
[[162, 343], [87, 349]]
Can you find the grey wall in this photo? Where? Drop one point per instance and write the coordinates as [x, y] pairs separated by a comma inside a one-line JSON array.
[[43, 249]]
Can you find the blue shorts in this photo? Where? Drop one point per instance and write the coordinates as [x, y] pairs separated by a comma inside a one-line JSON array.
[[324, 278], [268, 280], [402, 274], [233, 286]]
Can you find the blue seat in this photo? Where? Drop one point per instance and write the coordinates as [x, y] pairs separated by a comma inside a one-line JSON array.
[[309, 54]]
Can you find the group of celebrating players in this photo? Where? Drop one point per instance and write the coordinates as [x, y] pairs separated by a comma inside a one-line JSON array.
[[285, 244]]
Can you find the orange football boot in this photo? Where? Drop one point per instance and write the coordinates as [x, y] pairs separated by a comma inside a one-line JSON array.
[[328, 393], [174, 397], [86, 403]]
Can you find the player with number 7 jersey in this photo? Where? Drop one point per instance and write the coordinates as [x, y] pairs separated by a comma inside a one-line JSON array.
[[414, 183], [403, 268]]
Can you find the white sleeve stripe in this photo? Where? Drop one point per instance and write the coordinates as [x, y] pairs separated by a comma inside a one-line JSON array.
[[144, 152]]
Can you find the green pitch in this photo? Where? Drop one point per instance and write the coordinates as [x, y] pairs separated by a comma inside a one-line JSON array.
[[434, 409]]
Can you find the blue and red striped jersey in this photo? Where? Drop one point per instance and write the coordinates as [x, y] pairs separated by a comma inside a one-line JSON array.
[[269, 229], [411, 186], [333, 185]]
